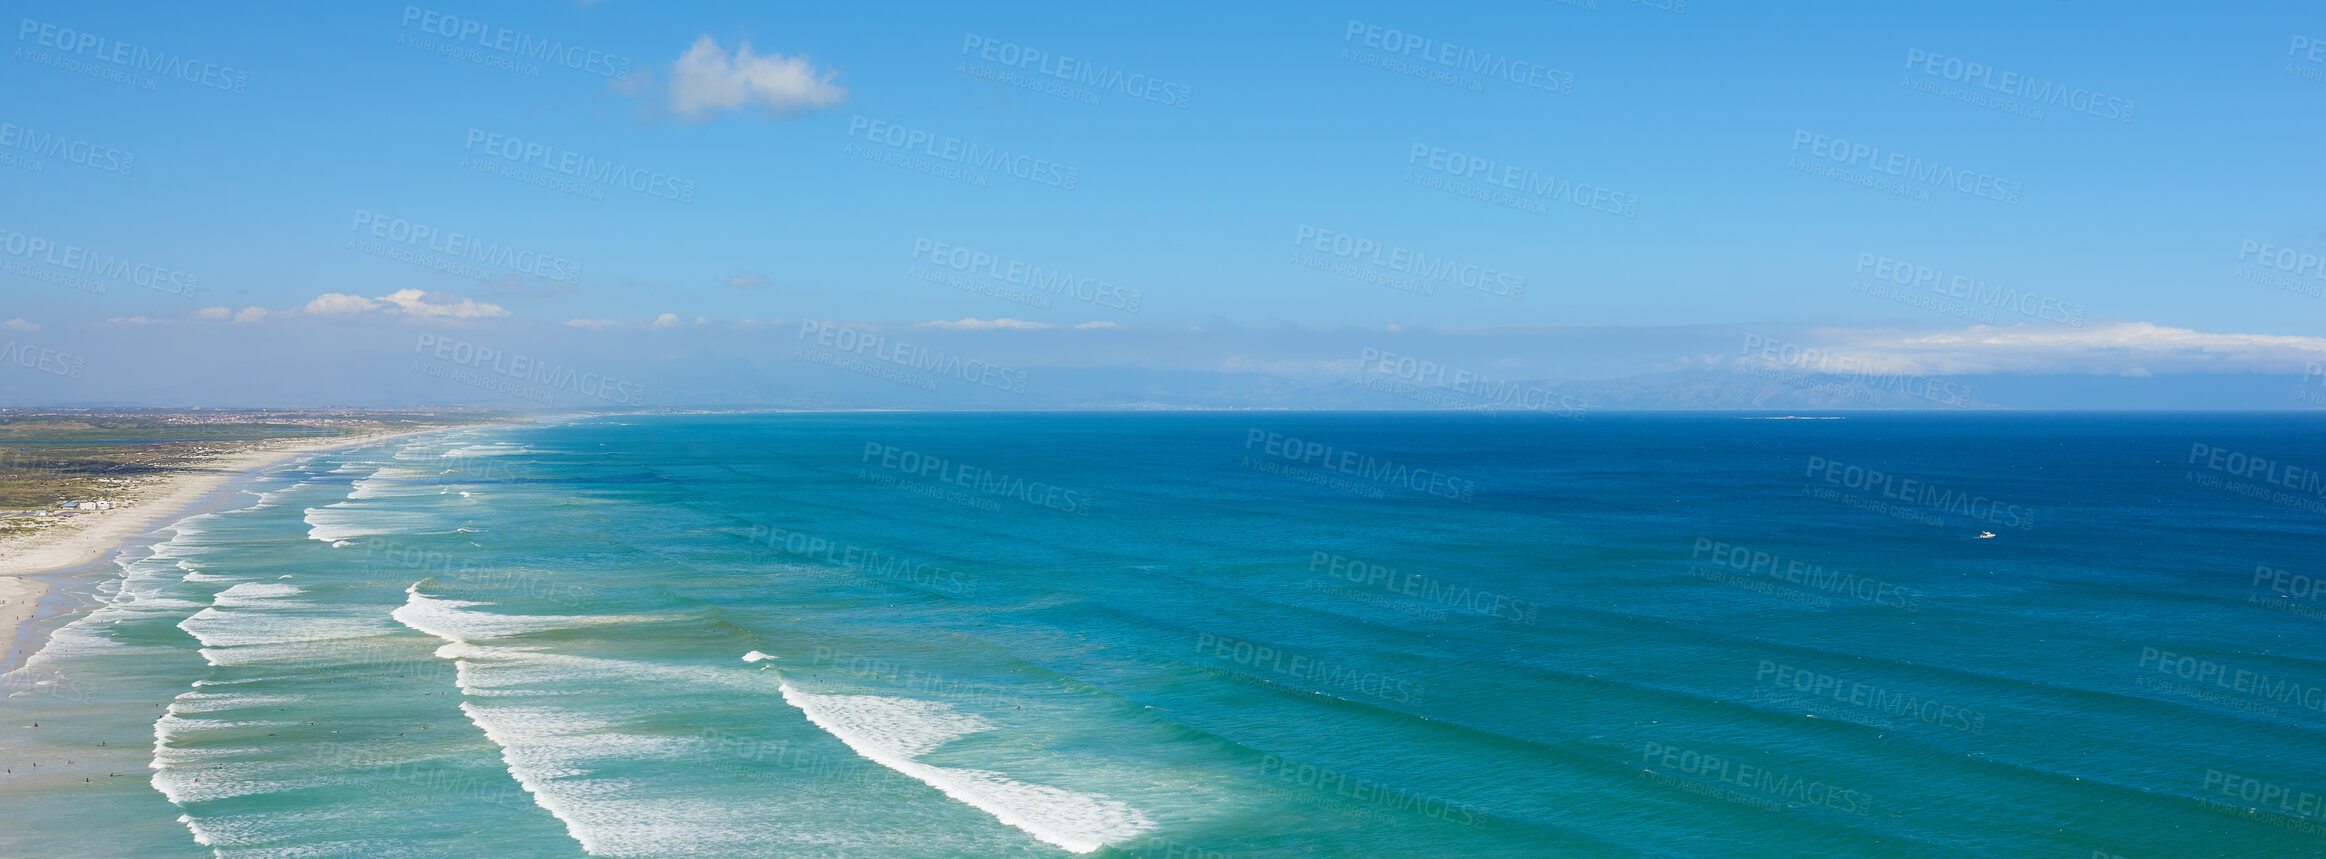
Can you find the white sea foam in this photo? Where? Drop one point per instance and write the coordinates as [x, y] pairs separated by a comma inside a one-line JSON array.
[[498, 448], [216, 628], [189, 779], [893, 732], [446, 619], [390, 482], [340, 522], [211, 702], [335, 523], [201, 836], [244, 655], [174, 725], [143, 591], [451, 619], [552, 752], [272, 497], [257, 594]]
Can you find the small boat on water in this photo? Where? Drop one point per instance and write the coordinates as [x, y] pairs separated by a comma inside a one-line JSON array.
[[1986, 535]]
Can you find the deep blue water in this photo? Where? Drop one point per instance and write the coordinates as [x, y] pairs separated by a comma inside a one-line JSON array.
[[1213, 635]]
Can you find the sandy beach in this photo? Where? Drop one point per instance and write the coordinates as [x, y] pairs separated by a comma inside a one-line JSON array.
[[90, 538]]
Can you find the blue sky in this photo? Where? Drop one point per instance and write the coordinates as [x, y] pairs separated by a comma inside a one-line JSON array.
[[2180, 147]]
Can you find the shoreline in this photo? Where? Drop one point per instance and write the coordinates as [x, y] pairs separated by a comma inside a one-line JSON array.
[[66, 548]]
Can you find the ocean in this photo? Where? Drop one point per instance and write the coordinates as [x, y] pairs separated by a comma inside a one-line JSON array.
[[1210, 635]]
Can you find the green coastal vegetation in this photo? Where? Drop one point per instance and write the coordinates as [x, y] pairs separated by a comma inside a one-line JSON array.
[[50, 457]]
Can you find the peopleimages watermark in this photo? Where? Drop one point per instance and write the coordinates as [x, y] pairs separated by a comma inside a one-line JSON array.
[[2291, 592], [1887, 702], [2307, 269], [565, 170], [1396, 266], [447, 567], [1431, 382], [1814, 577], [1532, 187], [952, 156], [1062, 76], [2008, 91], [2255, 684], [463, 361], [1370, 577], [2310, 50], [1739, 782], [870, 562], [508, 45], [880, 357], [2268, 471], [1017, 280], [463, 248], [1368, 791], [1916, 493], [81, 49], [2294, 808], [1160, 847], [21, 146], [442, 784], [1294, 451], [75, 267], [1313, 671], [46, 682], [1894, 172], [2272, 474], [42, 359], [952, 690], [1445, 62], [1886, 271], [983, 481], [1852, 377]]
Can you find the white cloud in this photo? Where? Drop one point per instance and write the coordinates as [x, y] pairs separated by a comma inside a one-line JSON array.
[[667, 320], [339, 304], [20, 325], [705, 81], [251, 314], [417, 303], [1087, 326], [136, 320], [409, 302], [985, 325], [2128, 348], [749, 280], [214, 313]]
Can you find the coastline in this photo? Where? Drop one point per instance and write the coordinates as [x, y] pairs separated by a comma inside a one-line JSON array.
[[172, 498]]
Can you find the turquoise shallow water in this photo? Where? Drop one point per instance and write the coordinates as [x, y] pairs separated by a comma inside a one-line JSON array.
[[1212, 635]]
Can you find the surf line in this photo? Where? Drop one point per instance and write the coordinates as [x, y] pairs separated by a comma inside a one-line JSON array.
[[894, 732]]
